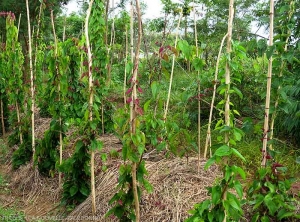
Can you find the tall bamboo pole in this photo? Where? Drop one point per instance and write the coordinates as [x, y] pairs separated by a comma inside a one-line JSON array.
[[91, 96], [59, 98], [227, 68], [32, 89], [199, 89], [227, 82], [131, 30], [125, 73], [133, 109], [208, 134], [268, 94], [17, 104]]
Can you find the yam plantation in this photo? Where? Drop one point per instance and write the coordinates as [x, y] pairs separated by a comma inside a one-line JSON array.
[[191, 114]]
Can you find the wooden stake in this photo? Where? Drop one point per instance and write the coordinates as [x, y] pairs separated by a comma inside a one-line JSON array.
[[172, 71], [227, 82], [2, 119], [133, 106], [227, 69], [268, 93], [274, 114], [91, 103], [199, 90], [125, 73], [17, 104], [208, 134], [32, 89]]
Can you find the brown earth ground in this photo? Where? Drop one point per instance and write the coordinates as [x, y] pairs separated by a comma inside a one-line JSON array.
[[177, 187]]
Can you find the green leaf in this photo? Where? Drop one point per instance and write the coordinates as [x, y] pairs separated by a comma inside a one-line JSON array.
[[270, 51], [154, 89], [223, 151], [84, 190], [204, 206], [209, 162], [73, 190], [234, 203], [238, 92], [238, 154], [78, 145], [284, 214], [148, 186], [141, 149], [270, 204], [240, 171], [270, 186], [239, 189], [216, 194], [237, 135], [265, 219], [255, 217], [96, 145], [198, 64], [146, 105], [258, 201]]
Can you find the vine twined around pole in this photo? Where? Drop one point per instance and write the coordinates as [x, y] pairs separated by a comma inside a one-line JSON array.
[[32, 86], [268, 92]]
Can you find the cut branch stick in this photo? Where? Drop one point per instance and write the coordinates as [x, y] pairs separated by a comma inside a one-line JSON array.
[[31, 82], [208, 134], [268, 93], [282, 66], [91, 95], [172, 71]]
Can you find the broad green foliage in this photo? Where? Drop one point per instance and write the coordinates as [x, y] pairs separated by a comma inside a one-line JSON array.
[[12, 62], [46, 150], [76, 171], [268, 194], [24, 153]]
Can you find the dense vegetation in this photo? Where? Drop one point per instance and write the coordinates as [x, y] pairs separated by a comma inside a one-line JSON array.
[[158, 84]]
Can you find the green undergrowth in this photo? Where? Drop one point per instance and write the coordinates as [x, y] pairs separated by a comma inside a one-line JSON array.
[[11, 215]]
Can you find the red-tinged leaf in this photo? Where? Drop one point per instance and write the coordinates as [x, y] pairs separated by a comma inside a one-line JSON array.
[[268, 157], [129, 100], [120, 202], [140, 90], [137, 102], [139, 110], [161, 49], [128, 91]]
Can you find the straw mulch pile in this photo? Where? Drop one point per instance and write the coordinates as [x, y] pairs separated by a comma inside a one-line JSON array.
[[36, 195], [177, 187]]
